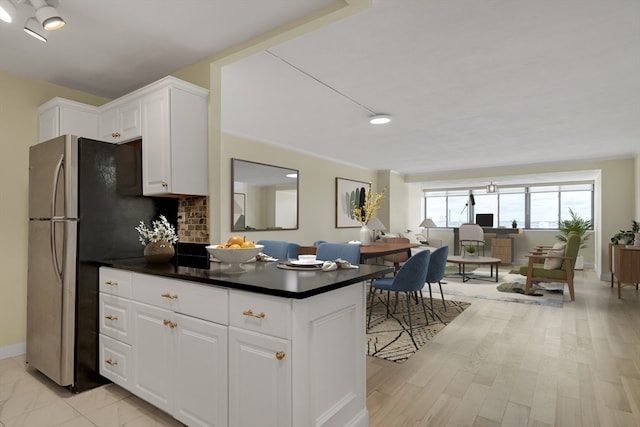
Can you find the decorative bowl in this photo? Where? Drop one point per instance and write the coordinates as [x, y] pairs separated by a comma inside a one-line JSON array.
[[307, 258], [235, 257]]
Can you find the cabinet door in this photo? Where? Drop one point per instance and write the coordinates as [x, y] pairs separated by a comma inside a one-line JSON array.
[[49, 124], [153, 334], [129, 116], [108, 125], [200, 386], [259, 380], [156, 146]]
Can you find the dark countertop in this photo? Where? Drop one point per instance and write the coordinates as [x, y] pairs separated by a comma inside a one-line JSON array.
[[260, 277]]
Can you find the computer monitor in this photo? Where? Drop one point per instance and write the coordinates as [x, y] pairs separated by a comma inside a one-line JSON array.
[[484, 219]]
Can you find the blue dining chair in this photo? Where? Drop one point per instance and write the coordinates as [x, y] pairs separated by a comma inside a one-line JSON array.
[[408, 280], [435, 272], [319, 242], [279, 249], [333, 251]]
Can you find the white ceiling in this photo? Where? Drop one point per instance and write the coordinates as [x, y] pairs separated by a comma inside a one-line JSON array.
[[470, 84]]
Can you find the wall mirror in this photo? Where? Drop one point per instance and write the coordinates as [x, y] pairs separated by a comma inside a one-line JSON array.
[[263, 197]]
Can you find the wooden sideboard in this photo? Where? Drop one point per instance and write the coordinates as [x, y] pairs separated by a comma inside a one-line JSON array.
[[624, 265]]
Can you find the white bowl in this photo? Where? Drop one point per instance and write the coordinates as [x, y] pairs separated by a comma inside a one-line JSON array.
[[234, 256], [307, 258]]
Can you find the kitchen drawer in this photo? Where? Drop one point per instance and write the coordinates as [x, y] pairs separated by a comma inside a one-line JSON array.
[[115, 282], [265, 314], [114, 317], [190, 298], [115, 361]]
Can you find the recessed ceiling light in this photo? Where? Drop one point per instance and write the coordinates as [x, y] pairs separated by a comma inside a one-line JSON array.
[[379, 119]]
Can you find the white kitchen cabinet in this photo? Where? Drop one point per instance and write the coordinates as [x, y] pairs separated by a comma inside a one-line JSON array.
[[177, 357], [61, 116], [174, 140], [121, 122], [259, 379], [212, 356]]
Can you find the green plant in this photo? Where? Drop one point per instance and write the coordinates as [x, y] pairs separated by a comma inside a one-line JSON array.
[[577, 225], [626, 236], [514, 223], [471, 249]]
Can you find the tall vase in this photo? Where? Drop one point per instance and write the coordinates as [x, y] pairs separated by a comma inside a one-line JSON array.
[[160, 251], [365, 235]]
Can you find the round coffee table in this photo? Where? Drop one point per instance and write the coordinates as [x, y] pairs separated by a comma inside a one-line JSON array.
[[462, 261]]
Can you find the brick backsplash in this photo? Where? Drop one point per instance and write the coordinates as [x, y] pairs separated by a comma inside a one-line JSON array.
[[193, 214]]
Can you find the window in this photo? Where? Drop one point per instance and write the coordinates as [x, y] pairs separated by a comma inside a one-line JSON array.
[[537, 207]]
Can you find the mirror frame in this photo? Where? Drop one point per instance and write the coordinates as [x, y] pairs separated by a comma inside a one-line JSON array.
[[233, 195]]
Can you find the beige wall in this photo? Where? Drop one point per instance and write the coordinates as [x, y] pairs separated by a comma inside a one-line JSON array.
[[19, 123]]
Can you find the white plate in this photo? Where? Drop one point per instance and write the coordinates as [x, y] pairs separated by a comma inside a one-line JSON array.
[[298, 262]]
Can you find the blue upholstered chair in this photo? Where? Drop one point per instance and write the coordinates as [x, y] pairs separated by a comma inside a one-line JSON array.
[[279, 249], [435, 272], [319, 242], [333, 251], [409, 279]]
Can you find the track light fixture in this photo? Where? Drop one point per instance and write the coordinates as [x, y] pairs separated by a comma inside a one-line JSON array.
[[31, 27], [7, 11], [47, 15]]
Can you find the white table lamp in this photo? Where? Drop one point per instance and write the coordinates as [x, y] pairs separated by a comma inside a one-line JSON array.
[[428, 223]]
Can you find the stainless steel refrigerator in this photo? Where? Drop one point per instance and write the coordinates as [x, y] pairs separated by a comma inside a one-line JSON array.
[[84, 202]]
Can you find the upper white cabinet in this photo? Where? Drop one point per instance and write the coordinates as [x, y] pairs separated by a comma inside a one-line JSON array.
[[171, 117], [174, 140], [121, 122], [61, 116]]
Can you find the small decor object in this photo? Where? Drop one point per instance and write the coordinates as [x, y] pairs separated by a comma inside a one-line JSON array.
[[365, 211], [471, 250], [514, 223], [158, 240], [627, 237]]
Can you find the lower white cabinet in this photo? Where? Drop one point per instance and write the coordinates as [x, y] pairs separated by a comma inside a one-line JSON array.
[[212, 356], [259, 379]]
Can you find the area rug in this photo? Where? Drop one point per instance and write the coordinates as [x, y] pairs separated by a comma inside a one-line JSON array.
[[510, 288], [387, 337]]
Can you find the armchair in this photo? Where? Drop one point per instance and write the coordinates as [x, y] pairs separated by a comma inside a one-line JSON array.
[[535, 269]]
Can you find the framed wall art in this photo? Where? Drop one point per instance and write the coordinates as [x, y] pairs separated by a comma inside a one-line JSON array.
[[349, 193]]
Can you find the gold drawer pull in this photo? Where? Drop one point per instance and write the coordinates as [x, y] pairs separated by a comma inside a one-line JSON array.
[[280, 355], [168, 295], [250, 313], [111, 283], [111, 317], [169, 323], [165, 184], [111, 362]]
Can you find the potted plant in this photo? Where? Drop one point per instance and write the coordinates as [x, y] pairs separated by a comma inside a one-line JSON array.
[[578, 225], [514, 223], [626, 237], [470, 250]]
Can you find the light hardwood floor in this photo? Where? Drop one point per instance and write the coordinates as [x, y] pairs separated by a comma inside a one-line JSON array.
[[513, 364], [497, 364]]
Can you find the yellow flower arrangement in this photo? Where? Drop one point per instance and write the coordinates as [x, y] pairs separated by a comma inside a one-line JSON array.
[[372, 203]]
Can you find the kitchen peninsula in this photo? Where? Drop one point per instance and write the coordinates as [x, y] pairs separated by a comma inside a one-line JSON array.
[[269, 346]]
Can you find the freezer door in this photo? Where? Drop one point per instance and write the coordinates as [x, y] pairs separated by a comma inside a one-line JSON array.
[[51, 301], [53, 184]]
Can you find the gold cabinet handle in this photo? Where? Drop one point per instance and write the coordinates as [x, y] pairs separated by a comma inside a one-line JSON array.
[[111, 317], [111, 362], [168, 295], [115, 134], [165, 184], [170, 324], [280, 355], [111, 283], [252, 314]]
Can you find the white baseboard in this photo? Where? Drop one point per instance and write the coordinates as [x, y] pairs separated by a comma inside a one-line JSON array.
[[13, 350]]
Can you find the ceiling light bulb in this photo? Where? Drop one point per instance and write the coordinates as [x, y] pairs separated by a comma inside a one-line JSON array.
[[49, 18], [31, 27], [379, 119], [7, 11]]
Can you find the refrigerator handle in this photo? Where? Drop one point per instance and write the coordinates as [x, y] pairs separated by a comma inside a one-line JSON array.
[[52, 230]]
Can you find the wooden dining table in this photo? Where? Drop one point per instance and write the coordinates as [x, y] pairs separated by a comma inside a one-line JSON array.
[[377, 249]]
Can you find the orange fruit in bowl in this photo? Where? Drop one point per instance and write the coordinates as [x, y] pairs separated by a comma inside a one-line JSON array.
[[235, 240], [235, 246], [248, 244]]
